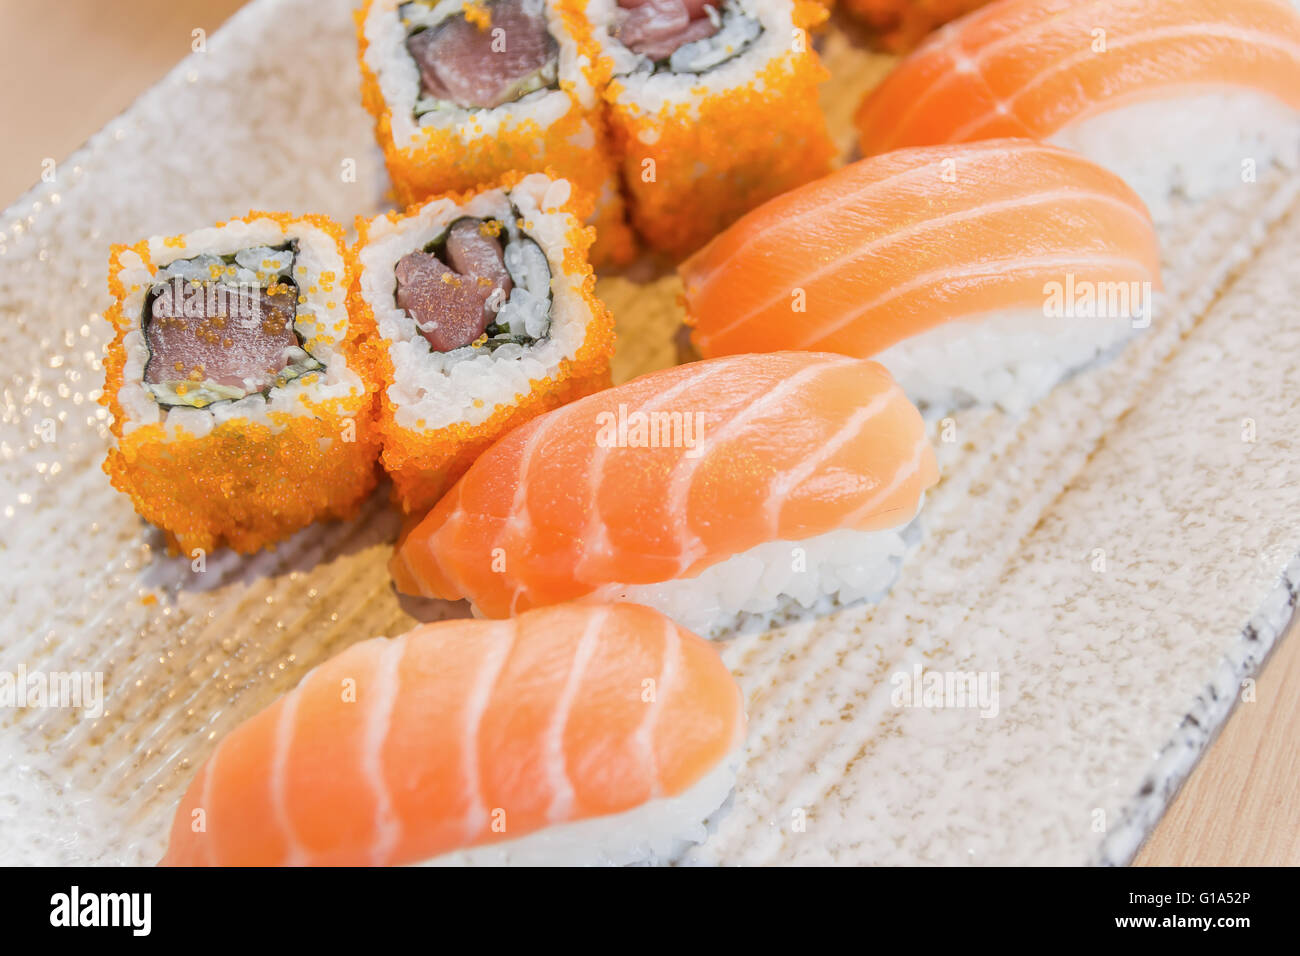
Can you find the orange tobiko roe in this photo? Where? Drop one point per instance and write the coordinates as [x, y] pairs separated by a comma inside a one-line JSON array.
[[244, 483], [424, 463]]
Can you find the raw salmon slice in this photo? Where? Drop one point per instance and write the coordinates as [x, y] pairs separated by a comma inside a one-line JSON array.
[[671, 474], [607, 720], [889, 247], [1033, 67]]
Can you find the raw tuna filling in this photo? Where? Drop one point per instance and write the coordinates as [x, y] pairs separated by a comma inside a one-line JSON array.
[[658, 28], [225, 336], [486, 56], [466, 288]]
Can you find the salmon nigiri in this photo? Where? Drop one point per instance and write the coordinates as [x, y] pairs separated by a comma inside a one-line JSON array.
[[713, 490], [573, 734], [982, 272], [1187, 97]]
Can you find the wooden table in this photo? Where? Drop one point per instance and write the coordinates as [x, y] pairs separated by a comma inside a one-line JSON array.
[[72, 66]]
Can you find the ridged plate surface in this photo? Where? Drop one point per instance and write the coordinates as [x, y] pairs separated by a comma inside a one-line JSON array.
[[1112, 675]]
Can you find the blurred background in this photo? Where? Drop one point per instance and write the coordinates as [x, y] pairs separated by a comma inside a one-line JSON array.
[[72, 65]]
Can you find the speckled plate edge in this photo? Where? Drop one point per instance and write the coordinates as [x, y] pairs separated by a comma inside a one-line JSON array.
[[1205, 719]]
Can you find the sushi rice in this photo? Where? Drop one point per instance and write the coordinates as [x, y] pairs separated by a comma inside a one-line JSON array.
[[653, 833], [780, 581], [1010, 360], [1204, 144]]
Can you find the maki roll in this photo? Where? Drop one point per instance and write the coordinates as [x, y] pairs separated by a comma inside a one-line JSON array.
[[242, 406], [486, 315], [465, 92], [713, 107]]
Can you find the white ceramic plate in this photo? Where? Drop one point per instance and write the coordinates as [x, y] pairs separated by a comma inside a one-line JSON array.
[[1115, 558]]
